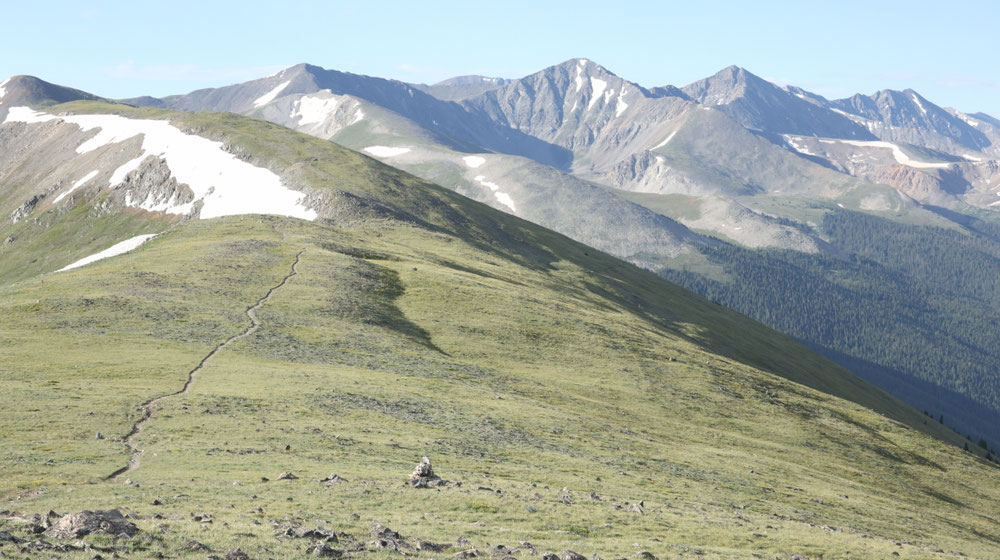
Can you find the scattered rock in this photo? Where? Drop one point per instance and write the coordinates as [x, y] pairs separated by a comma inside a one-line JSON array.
[[570, 555], [265, 479], [333, 479], [323, 550], [287, 476], [635, 508], [99, 435], [316, 534], [10, 239], [549, 556], [195, 546], [202, 517], [237, 554], [645, 555], [462, 542], [423, 475], [76, 525], [432, 547], [500, 550], [7, 537], [470, 553], [387, 539]]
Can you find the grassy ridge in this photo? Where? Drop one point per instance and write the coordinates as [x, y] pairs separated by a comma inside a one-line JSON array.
[[517, 359]]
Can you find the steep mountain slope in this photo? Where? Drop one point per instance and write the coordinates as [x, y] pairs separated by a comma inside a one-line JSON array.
[[519, 185], [407, 320]]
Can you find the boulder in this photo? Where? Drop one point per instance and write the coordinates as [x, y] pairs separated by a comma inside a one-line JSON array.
[[107, 522], [423, 475], [323, 550]]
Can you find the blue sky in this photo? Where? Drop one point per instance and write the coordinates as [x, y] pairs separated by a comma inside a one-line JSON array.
[[948, 51]]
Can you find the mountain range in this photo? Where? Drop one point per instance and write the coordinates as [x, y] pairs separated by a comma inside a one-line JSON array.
[[235, 330]]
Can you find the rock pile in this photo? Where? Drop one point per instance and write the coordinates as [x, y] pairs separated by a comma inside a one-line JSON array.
[[423, 475]]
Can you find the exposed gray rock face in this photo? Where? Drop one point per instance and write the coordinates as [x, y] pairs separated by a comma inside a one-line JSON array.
[[759, 104], [905, 116], [583, 107], [76, 525], [152, 188]]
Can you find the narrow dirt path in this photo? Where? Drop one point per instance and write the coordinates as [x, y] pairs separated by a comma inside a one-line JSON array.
[[149, 406]]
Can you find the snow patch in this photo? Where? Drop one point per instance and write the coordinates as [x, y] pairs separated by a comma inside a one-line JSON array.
[[791, 140], [971, 157], [3, 91], [919, 104], [118, 177], [474, 161], [75, 186], [27, 115], [313, 110], [269, 96], [665, 140], [112, 251], [897, 153], [598, 86], [579, 77], [620, 106], [226, 185], [386, 151], [358, 116], [502, 197], [968, 120]]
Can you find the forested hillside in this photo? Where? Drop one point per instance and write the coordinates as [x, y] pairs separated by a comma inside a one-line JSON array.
[[908, 306]]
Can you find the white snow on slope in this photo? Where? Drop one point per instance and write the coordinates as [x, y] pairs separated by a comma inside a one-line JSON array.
[[620, 106], [972, 157], [665, 140], [226, 185], [579, 76], [791, 140], [269, 96], [968, 120], [919, 104], [3, 91], [896, 153], [27, 115], [114, 250], [474, 161], [358, 116], [313, 110], [502, 197], [75, 186], [598, 86], [386, 151]]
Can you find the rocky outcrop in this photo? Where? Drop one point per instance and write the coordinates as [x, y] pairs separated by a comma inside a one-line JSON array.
[[107, 522]]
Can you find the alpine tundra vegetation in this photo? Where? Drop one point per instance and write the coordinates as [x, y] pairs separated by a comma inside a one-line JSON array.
[[224, 338]]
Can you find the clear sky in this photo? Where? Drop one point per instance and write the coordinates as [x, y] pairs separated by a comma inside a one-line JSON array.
[[947, 51]]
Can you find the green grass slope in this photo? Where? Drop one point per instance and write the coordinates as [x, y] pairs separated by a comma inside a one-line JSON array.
[[557, 384]]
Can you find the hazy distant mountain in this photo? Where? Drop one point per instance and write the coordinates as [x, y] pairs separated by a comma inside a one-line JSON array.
[[33, 92], [462, 87]]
